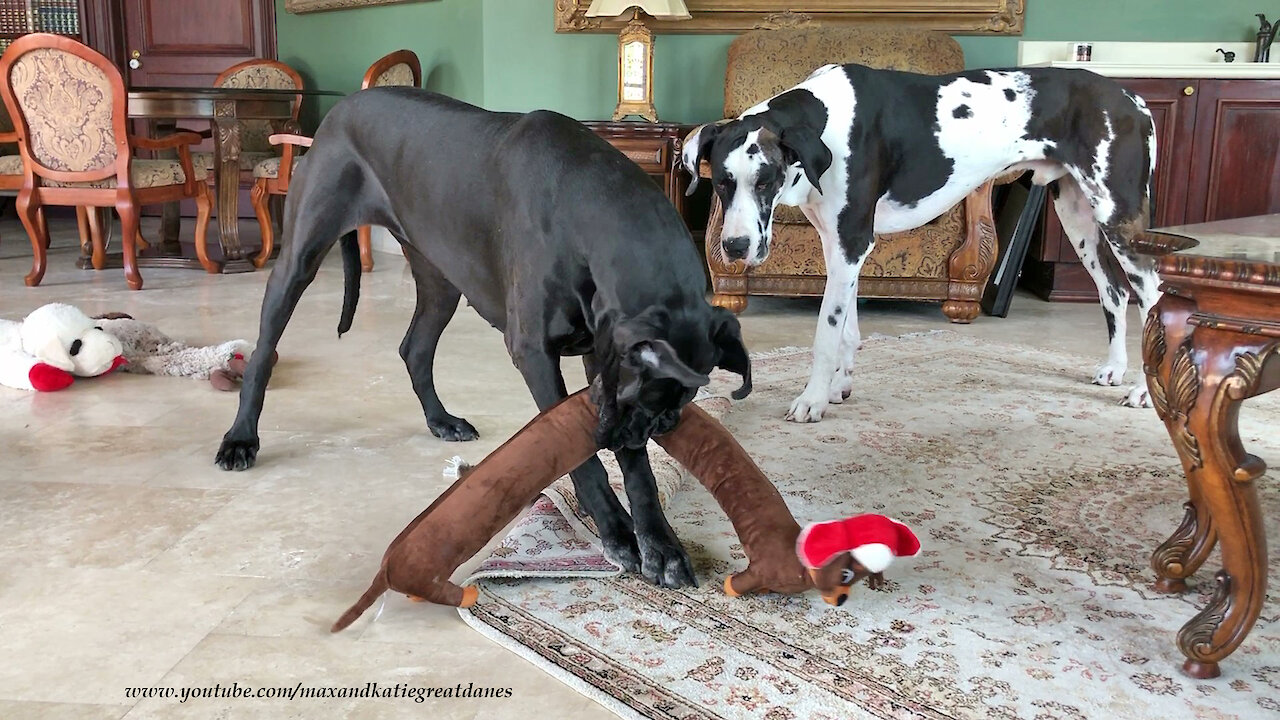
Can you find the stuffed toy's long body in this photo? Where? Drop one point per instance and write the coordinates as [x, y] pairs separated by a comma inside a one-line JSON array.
[[485, 499]]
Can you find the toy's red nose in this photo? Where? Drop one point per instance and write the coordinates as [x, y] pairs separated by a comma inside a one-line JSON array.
[[117, 363]]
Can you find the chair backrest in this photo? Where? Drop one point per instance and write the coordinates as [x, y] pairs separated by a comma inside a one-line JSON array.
[[400, 68], [260, 73], [68, 105], [763, 63]]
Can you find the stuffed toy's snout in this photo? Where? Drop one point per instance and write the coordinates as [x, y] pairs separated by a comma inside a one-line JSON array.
[[62, 336]]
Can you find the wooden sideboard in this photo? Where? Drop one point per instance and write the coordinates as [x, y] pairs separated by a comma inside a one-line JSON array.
[[1217, 140], [655, 147]]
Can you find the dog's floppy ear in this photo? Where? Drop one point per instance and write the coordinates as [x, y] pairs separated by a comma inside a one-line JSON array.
[[641, 347], [656, 357], [604, 388], [801, 144], [732, 355], [697, 145]]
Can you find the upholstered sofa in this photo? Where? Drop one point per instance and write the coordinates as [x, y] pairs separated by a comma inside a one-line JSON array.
[[948, 259]]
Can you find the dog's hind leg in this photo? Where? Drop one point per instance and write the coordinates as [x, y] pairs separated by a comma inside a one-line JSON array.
[[1077, 218], [1145, 281], [309, 232], [437, 304]]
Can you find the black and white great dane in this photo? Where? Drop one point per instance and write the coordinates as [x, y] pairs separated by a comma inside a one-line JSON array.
[[863, 151], [555, 238]]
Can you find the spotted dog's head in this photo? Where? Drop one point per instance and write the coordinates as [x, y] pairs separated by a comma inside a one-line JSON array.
[[652, 364], [754, 168]]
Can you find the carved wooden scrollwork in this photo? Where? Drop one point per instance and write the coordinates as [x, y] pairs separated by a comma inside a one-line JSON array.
[[1169, 560], [1180, 397], [997, 17], [1196, 637], [785, 19]]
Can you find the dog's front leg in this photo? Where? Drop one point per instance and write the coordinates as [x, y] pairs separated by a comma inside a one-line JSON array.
[[541, 372], [836, 340], [663, 560]]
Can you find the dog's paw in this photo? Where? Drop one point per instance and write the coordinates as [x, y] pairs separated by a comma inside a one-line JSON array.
[[841, 387], [236, 454], [1108, 374], [808, 408], [663, 562], [452, 429], [1138, 397], [621, 549]]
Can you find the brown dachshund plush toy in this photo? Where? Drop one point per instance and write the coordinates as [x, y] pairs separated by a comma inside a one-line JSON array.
[[781, 558]]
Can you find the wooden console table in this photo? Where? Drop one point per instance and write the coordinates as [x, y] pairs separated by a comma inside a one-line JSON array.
[[655, 147], [1211, 342]]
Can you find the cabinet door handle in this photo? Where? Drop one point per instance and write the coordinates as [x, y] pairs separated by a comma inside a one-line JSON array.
[[1189, 90]]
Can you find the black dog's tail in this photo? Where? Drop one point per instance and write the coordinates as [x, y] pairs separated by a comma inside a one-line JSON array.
[[350, 280]]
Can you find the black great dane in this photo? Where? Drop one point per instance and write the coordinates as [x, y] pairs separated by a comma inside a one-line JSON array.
[[555, 238], [865, 151]]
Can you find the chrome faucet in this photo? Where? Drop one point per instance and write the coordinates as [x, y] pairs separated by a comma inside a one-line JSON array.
[[1266, 35]]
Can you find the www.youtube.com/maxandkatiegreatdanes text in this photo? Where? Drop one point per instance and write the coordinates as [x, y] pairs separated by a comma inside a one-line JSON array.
[[369, 690]]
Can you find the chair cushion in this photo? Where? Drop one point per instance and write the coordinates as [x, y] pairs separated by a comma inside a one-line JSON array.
[[398, 75], [763, 63], [144, 174], [270, 168], [202, 162], [796, 250], [10, 164]]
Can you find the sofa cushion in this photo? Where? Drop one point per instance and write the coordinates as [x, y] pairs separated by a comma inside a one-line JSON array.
[[763, 63]]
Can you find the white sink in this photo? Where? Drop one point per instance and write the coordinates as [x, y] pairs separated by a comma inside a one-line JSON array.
[[1153, 59]]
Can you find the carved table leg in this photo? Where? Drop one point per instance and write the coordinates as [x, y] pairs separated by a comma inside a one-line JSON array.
[[1170, 372], [970, 265], [227, 178], [1228, 370]]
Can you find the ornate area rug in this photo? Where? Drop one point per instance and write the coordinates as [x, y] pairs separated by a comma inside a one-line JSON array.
[[1037, 498]]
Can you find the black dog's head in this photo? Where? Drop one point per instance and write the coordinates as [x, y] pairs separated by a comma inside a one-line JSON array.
[[652, 364], [754, 168]]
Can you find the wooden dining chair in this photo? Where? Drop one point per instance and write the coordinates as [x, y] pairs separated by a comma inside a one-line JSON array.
[[70, 112], [399, 69], [258, 73], [271, 179]]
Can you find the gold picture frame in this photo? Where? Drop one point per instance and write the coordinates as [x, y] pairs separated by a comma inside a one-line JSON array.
[[299, 7], [964, 17]]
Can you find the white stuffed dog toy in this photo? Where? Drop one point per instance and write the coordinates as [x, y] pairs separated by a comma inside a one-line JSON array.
[[53, 345]]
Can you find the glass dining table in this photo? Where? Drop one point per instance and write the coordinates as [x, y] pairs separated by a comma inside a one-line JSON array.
[[1210, 343], [224, 108]]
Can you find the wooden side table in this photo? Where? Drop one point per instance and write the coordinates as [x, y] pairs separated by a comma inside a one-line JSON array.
[[655, 147], [1211, 342]]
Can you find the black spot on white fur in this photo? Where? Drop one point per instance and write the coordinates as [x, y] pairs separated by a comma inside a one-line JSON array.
[[795, 181], [839, 309], [752, 149], [961, 112], [831, 320], [1010, 95]]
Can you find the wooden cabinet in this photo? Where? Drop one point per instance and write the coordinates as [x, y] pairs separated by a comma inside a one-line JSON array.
[[655, 147], [1218, 144]]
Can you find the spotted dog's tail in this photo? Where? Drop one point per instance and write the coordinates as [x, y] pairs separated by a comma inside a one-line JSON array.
[[350, 281]]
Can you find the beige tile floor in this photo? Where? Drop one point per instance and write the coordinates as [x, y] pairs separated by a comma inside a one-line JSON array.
[[127, 559]]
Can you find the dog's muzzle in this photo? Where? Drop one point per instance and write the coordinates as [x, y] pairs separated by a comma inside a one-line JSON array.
[[637, 426], [735, 248]]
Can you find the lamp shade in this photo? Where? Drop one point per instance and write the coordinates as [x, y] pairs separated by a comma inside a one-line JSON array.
[[665, 9]]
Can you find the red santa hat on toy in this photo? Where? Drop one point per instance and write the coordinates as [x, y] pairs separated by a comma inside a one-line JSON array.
[[874, 541]]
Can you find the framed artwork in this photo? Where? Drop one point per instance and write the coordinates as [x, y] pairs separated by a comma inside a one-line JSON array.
[[299, 7], [966, 17]]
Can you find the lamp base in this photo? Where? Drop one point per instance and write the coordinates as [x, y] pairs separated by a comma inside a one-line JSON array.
[[645, 111]]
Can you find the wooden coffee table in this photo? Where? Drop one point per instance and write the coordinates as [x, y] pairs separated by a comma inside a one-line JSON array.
[[1212, 342]]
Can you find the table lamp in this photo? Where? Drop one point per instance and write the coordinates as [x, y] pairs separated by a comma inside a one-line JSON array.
[[635, 51]]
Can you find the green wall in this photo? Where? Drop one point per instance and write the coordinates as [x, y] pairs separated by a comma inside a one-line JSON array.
[[333, 49], [505, 54]]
